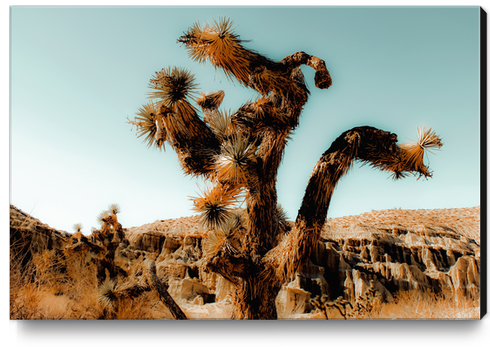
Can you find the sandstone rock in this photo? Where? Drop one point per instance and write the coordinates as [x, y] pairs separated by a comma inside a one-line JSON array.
[[198, 300], [171, 269], [465, 278], [171, 244], [212, 311], [390, 257], [224, 288], [292, 299], [188, 289], [191, 288], [151, 241]]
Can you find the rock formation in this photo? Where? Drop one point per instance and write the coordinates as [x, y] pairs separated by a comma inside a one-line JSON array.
[[349, 260]]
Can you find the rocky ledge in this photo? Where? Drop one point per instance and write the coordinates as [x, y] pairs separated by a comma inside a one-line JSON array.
[[398, 250]]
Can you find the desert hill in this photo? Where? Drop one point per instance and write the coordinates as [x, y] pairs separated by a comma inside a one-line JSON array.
[[363, 259], [464, 220]]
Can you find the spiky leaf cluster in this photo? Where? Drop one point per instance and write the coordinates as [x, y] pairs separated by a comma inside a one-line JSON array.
[[221, 124], [211, 100], [114, 208], [237, 154], [413, 152], [219, 238], [146, 121], [280, 217], [108, 294], [213, 242], [102, 216], [260, 115], [172, 86], [217, 43], [214, 204]]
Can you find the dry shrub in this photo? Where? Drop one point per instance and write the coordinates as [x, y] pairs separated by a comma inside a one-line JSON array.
[[146, 306], [24, 298], [56, 285], [51, 287], [406, 305], [418, 305], [24, 295]]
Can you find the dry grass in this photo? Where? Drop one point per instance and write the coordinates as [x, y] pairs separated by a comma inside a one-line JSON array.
[[407, 305], [416, 305], [51, 287], [432, 308]]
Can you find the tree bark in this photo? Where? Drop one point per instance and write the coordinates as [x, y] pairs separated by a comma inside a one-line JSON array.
[[162, 290], [366, 144]]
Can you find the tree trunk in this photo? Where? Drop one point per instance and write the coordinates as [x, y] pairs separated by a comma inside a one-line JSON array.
[[162, 290], [255, 298]]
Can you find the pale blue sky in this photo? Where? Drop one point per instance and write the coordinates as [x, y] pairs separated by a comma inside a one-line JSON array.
[[78, 73]]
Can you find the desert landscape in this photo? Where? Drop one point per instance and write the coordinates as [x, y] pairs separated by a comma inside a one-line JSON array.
[[391, 264], [260, 244]]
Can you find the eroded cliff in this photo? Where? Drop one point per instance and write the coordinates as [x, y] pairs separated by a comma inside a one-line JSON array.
[[354, 256]]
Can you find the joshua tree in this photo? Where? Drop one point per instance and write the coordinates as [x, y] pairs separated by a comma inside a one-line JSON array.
[[112, 236], [239, 154]]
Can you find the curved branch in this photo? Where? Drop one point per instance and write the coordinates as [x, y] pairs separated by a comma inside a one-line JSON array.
[[322, 76], [367, 144], [193, 141], [218, 44]]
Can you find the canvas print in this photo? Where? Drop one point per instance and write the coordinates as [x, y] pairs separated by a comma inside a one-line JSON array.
[[280, 163]]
